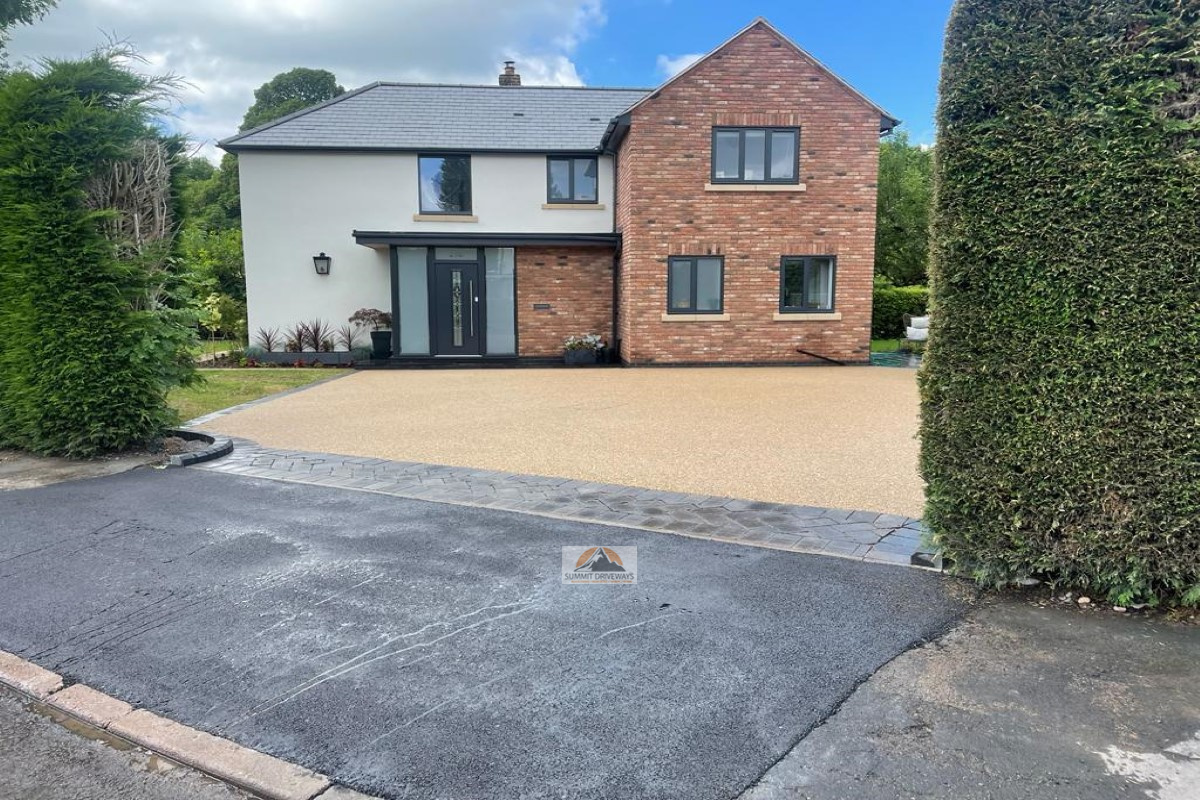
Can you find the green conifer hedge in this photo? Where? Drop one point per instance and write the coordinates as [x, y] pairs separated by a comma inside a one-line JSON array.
[[1061, 385], [89, 343]]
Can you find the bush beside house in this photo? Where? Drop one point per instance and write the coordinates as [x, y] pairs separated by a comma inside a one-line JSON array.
[[890, 305], [1061, 388]]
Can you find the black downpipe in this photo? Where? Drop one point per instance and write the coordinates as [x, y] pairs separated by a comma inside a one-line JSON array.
[[615, 348], [823, 358], [615, 345]]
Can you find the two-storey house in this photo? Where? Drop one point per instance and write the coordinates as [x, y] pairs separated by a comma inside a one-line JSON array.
[[727, 216]]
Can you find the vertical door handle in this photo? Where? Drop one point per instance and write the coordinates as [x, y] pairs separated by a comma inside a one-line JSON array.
[[474, 303]]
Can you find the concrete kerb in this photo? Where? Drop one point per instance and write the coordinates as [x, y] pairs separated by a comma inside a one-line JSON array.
[[112, 720]]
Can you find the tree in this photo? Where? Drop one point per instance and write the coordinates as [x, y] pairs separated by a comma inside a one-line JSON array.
[[1061, 389], [91, 333], [211, 200], [289, 92], [902, 224], [196, 168], [215, 259], [19, 12], [22, 12], [211, 242], [211, 197]]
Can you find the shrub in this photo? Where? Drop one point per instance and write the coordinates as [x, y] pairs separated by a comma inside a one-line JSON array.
[[316, 334], [294, 337], [91, 333], [889, 306], [1061, 388], [347, 337], [371, 318], [268, 339]]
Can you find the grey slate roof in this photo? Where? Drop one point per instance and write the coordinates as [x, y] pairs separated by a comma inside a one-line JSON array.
[[397, 116]]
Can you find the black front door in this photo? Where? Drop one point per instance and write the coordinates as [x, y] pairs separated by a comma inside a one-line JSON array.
[[456, 322]]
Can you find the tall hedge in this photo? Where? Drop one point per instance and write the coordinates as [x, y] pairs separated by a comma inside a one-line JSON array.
[[89, 344], [1061, 384]]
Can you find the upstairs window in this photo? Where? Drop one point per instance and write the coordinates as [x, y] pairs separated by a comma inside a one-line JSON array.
[[806, 284], [445, 184], [571, 179], [755, 155], [695, 284]]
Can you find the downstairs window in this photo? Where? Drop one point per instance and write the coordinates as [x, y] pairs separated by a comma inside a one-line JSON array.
[[695, 284], [806, 284]]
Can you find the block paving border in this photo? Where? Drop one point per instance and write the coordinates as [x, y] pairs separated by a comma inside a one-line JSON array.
[[866, 536]]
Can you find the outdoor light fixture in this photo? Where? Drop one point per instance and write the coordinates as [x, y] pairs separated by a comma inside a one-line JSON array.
[[321, 263]]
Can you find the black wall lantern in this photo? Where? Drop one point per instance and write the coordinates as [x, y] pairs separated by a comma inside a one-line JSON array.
[[321, 263]]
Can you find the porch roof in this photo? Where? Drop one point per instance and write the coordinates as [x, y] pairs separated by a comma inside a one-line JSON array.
[[381, 239]]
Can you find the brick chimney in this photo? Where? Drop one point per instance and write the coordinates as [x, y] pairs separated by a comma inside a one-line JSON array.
[[510, 76]]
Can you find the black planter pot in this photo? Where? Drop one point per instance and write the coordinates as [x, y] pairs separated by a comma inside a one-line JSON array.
[[579, 357], [381, 344]]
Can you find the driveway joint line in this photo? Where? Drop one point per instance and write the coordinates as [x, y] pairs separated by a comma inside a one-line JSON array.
[[920, 641], [865, 536]]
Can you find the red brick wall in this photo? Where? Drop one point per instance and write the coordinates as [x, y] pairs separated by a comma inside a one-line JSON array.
[[663, 209], [577, 284]]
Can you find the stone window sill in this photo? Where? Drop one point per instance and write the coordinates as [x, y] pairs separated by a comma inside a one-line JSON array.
[[754, 187], [802, 317], [572, 206], [445, 218], [695, 317]]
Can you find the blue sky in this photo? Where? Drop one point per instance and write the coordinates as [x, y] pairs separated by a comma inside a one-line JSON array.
[[890, 51]]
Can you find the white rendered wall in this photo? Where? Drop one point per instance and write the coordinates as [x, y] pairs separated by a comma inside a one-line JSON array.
[[295, 205]]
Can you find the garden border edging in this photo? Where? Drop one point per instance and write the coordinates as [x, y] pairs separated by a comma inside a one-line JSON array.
[[217, 446]]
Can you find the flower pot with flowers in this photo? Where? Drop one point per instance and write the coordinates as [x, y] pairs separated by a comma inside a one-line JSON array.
[[585, 349]]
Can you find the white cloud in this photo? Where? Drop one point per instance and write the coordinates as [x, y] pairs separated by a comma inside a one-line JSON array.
[[670, 66], [227, 48]]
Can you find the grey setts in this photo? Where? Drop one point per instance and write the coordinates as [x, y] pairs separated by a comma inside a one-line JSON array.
[[860, 535]]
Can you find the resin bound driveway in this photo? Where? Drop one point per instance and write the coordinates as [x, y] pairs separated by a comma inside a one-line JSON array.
[[835, 437], [423, 650]]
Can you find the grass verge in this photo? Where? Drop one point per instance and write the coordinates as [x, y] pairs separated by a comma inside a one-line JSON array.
[[222, 388]]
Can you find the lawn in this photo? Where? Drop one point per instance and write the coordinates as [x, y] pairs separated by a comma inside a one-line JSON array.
[[223, 388], [885, 345], [206, 346]]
